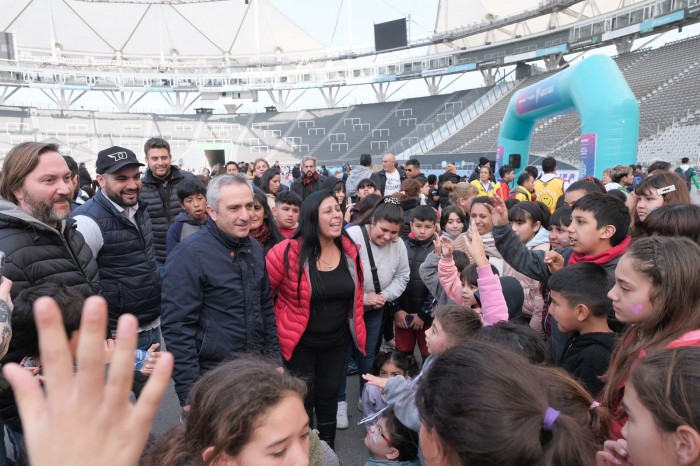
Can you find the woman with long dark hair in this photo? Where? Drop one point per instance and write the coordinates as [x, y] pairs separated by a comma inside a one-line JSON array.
[[270, 185], [262, 223], [317, 276]]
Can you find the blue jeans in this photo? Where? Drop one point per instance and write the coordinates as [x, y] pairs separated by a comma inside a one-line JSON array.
[[373, 328], [145, 340]]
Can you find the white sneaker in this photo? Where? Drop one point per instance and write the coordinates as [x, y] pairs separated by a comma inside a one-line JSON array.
[[341, 418], [359, 406]]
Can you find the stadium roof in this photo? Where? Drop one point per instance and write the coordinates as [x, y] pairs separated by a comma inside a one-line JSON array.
[[137, 28], [453, 14], [216, 29]]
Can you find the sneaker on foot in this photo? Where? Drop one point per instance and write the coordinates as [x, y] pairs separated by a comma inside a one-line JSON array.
[[359, 406], [352, 368], [341, 417]]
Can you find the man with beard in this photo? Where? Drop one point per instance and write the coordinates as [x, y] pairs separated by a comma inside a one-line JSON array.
[[117, 227], [40, 242], [216, 293], [310, 181], [159, 193]]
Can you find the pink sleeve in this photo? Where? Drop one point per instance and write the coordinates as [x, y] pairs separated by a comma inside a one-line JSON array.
[[493, 304], [450, 281]]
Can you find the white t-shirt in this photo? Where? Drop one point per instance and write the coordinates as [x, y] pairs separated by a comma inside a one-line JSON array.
[[393, 183]]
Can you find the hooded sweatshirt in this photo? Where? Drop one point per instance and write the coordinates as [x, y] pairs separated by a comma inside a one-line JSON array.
[[587, 357], [357, 174], [183, 227], [534, 302]]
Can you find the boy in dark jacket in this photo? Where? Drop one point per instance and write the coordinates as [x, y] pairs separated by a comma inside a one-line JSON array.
[[579, 302], [411, 320], [193, 199], [599, 233]]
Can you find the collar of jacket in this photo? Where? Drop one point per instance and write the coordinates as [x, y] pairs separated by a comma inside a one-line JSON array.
[[149, 178], [226, 240], [15, 215], [101, 199], [421, 244]]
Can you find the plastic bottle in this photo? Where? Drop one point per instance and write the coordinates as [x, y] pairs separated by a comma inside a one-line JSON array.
[[140, 358]]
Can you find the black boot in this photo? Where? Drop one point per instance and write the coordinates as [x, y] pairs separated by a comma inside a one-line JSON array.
[[326, 432]]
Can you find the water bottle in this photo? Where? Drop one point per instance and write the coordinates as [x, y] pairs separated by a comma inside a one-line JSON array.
[[140, 358]]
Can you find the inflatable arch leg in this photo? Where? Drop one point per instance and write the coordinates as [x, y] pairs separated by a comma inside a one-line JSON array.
[[608, 109]]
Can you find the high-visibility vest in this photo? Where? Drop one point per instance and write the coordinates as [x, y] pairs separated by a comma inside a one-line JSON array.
[[549, 192]]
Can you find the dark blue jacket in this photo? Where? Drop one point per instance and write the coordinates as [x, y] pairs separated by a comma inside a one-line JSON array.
[[129, 278], [216, 302], [175, 230]]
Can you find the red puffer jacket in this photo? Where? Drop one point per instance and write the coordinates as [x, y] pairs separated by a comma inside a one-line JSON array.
[[293, 314]]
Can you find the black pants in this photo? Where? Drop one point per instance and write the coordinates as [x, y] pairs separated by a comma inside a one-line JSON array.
[[322, 369]]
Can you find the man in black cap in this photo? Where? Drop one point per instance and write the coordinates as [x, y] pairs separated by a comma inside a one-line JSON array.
[[117, 228]]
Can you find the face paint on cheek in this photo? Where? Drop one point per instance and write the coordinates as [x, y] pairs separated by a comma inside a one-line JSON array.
[[636, 308]]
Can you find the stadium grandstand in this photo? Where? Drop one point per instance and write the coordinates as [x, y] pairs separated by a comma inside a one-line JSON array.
[[213, 63]]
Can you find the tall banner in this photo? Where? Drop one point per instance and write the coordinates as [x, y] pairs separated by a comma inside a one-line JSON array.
[[588, 150], [500, 154]]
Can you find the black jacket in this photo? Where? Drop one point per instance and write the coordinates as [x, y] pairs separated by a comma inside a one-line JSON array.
[[36, 253], [303, 191], [379, 178], [84, 177], [216, 303], [160, 197], [445, 195], [416, 293], [408, 207], [587, 357], [129, 278]]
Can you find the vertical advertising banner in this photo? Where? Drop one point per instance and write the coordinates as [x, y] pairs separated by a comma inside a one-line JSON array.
[[588, 149], [500, 154]]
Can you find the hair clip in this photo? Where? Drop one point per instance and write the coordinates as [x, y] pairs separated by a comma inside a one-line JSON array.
[[594, 405], [392, 200], [403, 193], [664, 190]]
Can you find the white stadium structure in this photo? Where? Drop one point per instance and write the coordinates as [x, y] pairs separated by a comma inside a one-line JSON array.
[[207, 58]]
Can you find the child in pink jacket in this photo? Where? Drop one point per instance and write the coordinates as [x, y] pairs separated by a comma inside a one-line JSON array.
[[493, 304]]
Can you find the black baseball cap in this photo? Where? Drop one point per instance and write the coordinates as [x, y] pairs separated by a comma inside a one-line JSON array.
[[112, 159]]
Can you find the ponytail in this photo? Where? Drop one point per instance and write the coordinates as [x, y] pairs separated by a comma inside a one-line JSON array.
[[506, 400]]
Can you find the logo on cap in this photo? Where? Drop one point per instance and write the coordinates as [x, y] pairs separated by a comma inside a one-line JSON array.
[[118, 156]]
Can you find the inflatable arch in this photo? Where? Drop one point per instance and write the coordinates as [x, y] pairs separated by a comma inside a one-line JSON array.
[[606, 105]]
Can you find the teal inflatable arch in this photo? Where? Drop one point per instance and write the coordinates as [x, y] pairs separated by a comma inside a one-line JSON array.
[[608, 109]]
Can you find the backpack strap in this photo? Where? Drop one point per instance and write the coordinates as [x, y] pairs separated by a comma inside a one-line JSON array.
[[373, 267]]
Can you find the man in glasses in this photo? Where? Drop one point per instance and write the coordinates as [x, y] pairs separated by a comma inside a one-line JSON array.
[[412, 168]]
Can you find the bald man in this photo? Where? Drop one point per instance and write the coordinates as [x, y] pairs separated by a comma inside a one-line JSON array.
[[388, 181]]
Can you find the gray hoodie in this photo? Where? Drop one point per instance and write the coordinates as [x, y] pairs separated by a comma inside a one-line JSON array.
[[357, 174]]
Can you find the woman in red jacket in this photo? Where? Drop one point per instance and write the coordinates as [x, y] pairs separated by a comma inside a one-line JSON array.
[[319, 310]]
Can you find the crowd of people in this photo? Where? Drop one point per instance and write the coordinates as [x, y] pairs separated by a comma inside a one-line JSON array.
[[490, 321]]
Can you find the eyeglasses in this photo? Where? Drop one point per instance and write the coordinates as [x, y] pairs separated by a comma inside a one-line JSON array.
[[379, 430], [409, 170]]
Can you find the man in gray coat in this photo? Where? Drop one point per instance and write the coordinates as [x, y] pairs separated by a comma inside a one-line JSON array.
[[359, 173]]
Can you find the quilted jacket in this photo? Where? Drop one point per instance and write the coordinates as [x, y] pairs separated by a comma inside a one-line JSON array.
[[292, 314]]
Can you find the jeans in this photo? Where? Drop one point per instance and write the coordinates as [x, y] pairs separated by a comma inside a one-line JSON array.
[[161, 270], [146, 339], [4, 459], [373, 329]]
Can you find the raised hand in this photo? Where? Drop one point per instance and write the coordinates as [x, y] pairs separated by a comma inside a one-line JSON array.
[[447, 247], [499, 211], [437, 244], [554, 261], [475, 246], [81, 421]]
